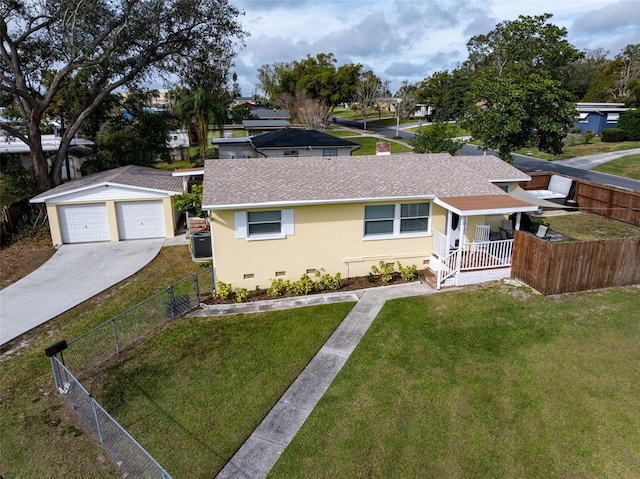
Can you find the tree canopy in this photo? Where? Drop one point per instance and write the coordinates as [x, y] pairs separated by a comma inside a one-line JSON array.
[[112, 44], [517, 93]]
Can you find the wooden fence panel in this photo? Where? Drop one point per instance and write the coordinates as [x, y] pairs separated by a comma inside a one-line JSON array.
[[554, 268]]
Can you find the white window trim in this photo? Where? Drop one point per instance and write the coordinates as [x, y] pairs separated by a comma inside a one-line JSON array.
[[242, 227], [396, 226]]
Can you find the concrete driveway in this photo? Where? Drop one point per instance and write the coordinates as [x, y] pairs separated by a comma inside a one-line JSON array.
[[74, 274]]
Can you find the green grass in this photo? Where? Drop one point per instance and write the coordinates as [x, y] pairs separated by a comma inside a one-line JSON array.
[[596, 146], [37, 434], [628, 166], [369, 145], [493, 382], [195, 391], [586, 227], [453, 127]]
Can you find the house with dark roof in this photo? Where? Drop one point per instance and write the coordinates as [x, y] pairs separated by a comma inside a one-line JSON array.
[[283, 217], [131, 202], [287, 142]]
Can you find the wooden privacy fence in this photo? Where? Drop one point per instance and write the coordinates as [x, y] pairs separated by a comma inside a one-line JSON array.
[[554, 268], [604, 200]]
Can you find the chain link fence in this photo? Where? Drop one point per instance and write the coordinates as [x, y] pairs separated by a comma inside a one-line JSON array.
[[112, 336], [131, 459], [109, 338]]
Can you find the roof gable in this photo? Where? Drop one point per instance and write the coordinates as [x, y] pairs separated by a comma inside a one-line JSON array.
[[131, 176]]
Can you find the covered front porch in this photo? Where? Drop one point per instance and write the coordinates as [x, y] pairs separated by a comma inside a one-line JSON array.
[[477, 243]]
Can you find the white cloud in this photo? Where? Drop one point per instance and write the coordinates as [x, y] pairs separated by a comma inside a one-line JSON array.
[[410, 39]]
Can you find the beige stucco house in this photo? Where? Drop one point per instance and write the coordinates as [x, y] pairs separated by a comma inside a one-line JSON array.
[[284, 217], [131, 202]]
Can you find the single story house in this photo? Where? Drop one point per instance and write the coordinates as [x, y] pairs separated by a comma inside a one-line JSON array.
[[77, 153], [131, 202], [282, 217], [288, 142], [597, 117]]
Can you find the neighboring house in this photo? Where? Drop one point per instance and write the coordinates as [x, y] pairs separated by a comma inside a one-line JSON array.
[[256, 127], [287, 142], [260, 113], [597, 117], [131, 202], [77, 153], [284, 217]]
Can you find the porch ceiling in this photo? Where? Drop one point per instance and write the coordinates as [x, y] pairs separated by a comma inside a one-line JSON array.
[[485, 205]]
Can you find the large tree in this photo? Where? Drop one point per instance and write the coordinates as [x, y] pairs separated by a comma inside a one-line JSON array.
[[368, 92], [112, 43], [518, 94]]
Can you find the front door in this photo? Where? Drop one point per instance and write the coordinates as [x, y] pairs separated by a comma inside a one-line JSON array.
[[453, 229]]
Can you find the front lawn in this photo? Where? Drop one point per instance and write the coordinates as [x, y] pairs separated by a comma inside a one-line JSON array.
[[489, 382], [369, 145], [193, 393], [628, 166]]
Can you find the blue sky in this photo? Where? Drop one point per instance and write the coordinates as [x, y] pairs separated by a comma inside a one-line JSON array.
[[411, 39]]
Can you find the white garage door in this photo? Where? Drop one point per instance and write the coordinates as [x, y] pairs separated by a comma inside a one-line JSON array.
[[140, 219], [84, 223]]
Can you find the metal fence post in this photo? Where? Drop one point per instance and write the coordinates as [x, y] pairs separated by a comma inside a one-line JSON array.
[[196, 287], [171, 302], [56, 372], [95, 416], [115, 336]]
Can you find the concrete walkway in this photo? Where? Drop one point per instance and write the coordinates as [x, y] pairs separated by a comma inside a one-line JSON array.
[[591, 161], [75, 273], [260, 452]]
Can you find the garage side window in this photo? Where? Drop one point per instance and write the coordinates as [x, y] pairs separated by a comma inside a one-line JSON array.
[[264, 224]]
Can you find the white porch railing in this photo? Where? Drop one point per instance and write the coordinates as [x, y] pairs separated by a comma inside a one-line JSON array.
[[476, 255]]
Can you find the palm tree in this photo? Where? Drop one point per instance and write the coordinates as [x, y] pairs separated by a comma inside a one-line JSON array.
[[197, 108]]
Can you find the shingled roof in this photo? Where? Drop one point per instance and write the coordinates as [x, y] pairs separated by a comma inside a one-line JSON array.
[[135, 176], [294, 138], [256, 182]]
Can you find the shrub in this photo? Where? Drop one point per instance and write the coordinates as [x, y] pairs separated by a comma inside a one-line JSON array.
[[278, 287], [223, 290], [613, 135], [629, 122], [328, 282], [384, 270], [408, 273], [588, 136], [304, 285], [241, 295]]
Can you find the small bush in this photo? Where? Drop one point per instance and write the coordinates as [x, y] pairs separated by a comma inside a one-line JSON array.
[[223, 290], [384, 270], [613, 135], [328, 282], [241, 295], [408, 273], [304, 285], [588, 136], [278, 287]]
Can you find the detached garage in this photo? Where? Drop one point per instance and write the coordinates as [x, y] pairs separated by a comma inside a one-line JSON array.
[[127, 203]]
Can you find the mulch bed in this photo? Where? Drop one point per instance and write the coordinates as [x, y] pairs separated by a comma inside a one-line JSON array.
[[348, 284]]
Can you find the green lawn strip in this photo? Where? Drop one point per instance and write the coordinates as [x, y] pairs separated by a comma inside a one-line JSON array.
[[344, 133], [491, 382], [457, 130], [595, 147], [369, 145], [586, 227], [38, 436], [628, 166], [195, 391]]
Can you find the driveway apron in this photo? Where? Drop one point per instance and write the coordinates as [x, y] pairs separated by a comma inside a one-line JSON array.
[[74, 274]]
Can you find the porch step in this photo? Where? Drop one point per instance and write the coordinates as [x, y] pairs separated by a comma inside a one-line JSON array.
[[431, 279]]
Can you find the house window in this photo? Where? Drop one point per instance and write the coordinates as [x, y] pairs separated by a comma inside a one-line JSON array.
[[396, 220], [290, 153], [330, 152], [613, 117], [264, 224], [583, 117]]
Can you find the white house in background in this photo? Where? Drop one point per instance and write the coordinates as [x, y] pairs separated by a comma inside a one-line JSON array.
[[78, 152]]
